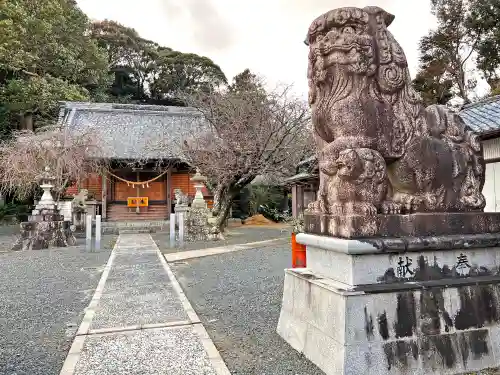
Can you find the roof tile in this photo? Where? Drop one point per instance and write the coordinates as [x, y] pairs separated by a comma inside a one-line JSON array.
[[132, 131]]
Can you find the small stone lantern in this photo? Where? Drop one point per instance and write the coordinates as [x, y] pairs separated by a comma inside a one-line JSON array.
[[199, 183], [46, 208], [45, 227]]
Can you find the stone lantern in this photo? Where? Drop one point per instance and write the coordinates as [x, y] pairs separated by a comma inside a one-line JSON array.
[[46, 205], [199, 223], [199, 183], [45, 227]]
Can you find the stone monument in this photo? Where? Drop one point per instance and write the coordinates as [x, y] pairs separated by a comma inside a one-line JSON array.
[[181, 205], [45, 227], [79, 209], [199, 220], [403, 265]]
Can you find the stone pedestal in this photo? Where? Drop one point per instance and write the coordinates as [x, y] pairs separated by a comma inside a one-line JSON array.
[[79, 220], [66, 209], [45, 235], [383, 306], [198, 227], [180, 209], [92, 207], [46, 227]]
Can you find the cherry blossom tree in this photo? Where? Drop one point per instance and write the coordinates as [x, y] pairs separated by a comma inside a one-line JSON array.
[[247, 132], [23, 158]]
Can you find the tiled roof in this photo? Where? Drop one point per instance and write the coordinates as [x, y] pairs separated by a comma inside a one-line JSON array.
[[127, 131], [483, 116], [306, 162], [303, 176]]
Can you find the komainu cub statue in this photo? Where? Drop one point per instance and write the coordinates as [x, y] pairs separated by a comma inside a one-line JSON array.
[[380, 151]]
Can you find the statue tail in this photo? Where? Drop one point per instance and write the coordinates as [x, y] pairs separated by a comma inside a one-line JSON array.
[[476, 173]]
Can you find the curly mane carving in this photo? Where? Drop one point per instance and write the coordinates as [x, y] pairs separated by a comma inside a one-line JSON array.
[[361, 98]]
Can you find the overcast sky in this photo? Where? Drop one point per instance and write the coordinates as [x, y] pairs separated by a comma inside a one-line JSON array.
[[265, 36]]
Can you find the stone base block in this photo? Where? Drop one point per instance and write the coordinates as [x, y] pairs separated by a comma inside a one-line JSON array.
[[37, 235], [357, 263], [414, 225], [429, 328], [46, 217]]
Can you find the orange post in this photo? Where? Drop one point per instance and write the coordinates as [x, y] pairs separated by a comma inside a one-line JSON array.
[[298, 254]]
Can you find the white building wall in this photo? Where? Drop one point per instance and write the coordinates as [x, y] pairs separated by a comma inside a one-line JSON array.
[[491, 149], [491, 189]]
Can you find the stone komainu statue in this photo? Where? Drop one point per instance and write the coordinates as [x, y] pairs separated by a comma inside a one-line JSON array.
[[180, 197], [80, 200], [379, 149]]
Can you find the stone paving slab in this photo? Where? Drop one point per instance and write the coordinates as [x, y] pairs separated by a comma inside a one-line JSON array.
[[140, 275], [168, 351], [132, 259], [137, 294], [137, 308]]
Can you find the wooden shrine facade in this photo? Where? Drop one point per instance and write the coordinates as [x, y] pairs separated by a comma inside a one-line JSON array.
[[127, 134], [145, 193]]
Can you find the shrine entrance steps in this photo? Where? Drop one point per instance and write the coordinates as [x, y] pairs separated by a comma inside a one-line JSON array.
[[120, 212], [142, 226]]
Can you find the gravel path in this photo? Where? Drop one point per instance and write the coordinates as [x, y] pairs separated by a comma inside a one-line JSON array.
[[238, 298], [233, 236], [44, 294]]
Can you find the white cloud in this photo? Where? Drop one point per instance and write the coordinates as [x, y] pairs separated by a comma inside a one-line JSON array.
[[263, 35]]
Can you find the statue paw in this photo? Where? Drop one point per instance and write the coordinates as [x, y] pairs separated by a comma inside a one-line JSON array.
[[355, 208], [413, 203], [365, 208], [391, 208], [410, 203]]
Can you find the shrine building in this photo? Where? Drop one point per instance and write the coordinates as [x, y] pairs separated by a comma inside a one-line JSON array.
[[141, 144]]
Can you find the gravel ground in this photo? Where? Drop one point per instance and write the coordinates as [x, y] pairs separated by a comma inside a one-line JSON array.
[[44, 294], [234, 236], [238, 298], [8, 236]]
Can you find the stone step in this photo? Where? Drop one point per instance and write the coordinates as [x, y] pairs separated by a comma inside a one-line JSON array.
[[135, 230], [140, 216], [124, 213], [135, 226]]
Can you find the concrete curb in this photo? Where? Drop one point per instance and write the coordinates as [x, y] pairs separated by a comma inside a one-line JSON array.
[[190, 254]]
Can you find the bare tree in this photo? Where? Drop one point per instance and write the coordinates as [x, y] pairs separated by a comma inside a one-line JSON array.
[[246, 133], [70, 158]]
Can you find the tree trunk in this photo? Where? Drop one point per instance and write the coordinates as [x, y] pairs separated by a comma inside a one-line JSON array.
[[224, 210], [26, 121], [223, 201], [461, 87], [219, 194]]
